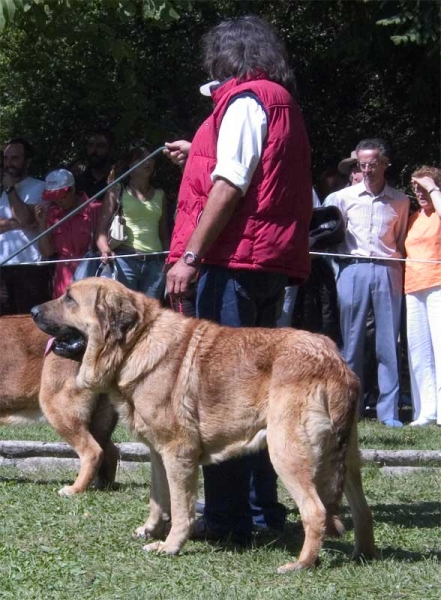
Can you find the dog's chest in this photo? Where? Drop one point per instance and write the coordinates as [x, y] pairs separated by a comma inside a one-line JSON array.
[[146, 419]]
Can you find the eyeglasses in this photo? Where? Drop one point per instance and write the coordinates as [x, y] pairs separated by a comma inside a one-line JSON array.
[[372, 165]]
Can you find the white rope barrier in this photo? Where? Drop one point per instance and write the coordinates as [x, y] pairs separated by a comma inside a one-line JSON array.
[[86, 259], [333, 255], [376, 258]]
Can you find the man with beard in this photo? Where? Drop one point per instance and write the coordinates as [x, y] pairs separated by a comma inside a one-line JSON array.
[[91, 175], [22, 286]]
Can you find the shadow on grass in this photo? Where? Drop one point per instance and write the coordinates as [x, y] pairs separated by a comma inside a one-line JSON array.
[[414, 515], [341, 550]]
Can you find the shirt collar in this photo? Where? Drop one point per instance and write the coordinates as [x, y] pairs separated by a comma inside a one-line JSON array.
[[386, 191], [206, 89]]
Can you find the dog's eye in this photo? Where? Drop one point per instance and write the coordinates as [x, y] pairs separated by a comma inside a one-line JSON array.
[[69, 298]]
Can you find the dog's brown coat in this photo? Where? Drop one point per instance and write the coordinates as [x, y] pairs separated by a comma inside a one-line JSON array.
[[82, 418], [199, 393]]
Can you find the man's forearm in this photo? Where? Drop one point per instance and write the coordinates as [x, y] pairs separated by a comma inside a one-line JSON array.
[[9, 225], [23, 213], [221, 203]]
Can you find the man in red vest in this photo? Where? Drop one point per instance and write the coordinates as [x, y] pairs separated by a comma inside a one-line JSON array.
[[241, 230]]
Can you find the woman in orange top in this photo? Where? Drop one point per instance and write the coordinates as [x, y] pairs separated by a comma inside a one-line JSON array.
[[422, 285]]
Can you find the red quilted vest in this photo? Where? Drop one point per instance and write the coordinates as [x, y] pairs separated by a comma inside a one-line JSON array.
[[269, 228]]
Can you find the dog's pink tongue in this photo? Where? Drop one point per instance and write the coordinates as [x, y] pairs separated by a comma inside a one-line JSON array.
[[49, 345]]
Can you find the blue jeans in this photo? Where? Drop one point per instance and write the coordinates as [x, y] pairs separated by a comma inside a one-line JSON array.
[[243, 490], [285, 319], [142, 274]]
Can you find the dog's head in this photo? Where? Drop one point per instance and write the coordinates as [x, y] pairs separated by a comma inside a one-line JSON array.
[[107, 315]]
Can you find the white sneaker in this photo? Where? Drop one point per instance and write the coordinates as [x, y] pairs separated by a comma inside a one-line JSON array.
[[422, 421]]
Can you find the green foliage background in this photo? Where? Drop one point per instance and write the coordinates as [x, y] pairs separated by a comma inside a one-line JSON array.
[[364, 68]]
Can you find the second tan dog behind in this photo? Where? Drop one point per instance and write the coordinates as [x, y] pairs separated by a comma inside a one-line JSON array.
[[84, 419], [198, 393]]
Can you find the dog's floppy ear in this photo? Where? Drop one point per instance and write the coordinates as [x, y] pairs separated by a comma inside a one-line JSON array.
[[116, 314]]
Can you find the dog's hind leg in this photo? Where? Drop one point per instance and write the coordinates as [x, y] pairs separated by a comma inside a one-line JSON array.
[[329, 481], [361, 513], [182, 475], [330, 450], [159, 516], [293, 461]]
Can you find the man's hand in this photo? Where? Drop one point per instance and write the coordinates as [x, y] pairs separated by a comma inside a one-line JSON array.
[[178, 151], [41, 211], [180, 277]]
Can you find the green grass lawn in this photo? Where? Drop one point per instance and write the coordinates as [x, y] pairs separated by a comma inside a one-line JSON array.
[[81, 547]]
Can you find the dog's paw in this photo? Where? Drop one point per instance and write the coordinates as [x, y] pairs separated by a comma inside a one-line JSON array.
[[296, 566], [68, 490], [162, 548]]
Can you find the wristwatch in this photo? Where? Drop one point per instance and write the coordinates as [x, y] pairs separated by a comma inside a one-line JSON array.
[[9, 189], [191, 258]]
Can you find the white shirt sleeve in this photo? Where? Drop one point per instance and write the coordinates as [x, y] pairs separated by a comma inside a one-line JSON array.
[[315, 199], [241, 137]]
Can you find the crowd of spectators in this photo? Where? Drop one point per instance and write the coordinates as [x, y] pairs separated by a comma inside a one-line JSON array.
[[349, 298]]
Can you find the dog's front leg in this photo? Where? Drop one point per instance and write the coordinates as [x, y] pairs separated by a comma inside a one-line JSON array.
[[159, 516], [182, 476]]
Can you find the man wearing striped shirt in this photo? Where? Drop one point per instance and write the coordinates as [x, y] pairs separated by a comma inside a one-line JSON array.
[[376, 220]]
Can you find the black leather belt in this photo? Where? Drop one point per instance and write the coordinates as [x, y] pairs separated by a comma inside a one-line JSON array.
[[356, 261]]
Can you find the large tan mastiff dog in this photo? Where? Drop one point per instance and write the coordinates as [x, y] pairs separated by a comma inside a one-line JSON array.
[[198, 393], [84, 419]]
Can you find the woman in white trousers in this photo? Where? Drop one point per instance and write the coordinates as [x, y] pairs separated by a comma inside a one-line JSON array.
[[422, 286]]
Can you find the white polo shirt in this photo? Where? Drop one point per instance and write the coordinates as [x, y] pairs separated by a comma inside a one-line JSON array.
[[29, 190]]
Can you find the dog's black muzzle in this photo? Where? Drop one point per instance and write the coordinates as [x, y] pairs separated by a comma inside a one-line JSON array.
[[68, 343]]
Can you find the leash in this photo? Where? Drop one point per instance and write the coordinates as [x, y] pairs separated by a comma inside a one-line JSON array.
[[81, 206]]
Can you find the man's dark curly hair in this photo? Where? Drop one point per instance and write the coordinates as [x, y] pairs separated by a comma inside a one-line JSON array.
[[246, 47]]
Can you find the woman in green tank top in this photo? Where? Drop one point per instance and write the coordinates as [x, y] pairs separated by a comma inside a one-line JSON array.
[[145, 214]]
